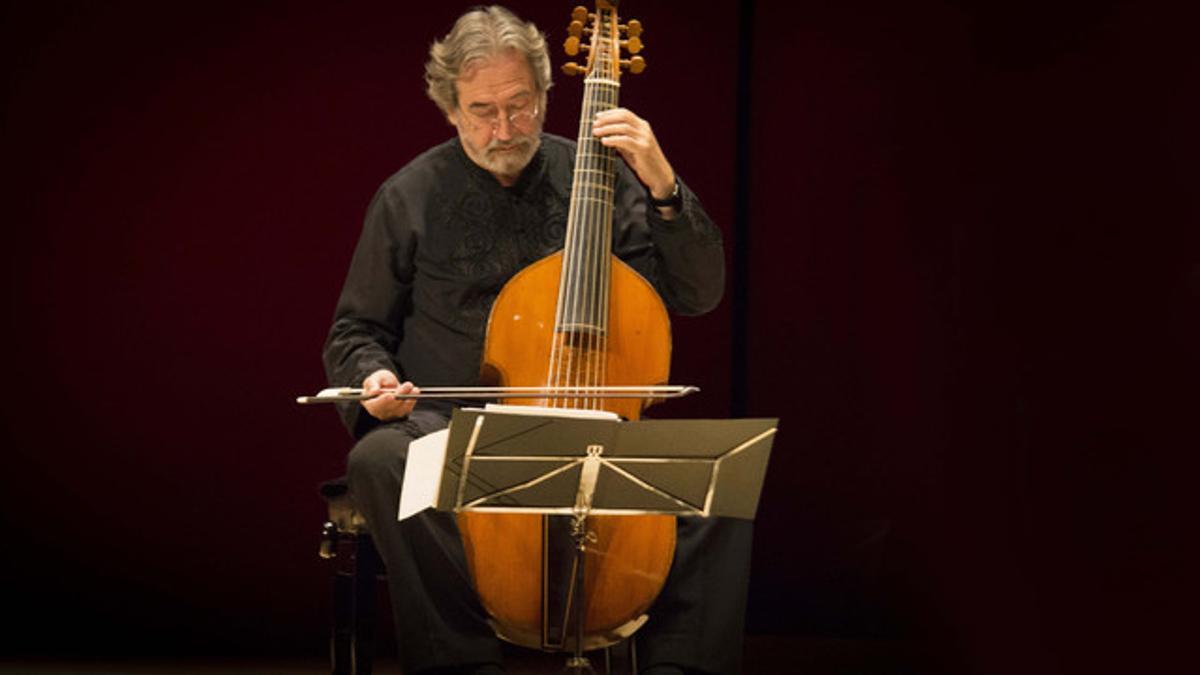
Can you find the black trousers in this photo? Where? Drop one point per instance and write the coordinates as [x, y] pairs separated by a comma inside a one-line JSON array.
[[696, 623]]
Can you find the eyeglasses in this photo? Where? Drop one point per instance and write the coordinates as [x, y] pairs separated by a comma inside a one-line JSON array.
[[520, 119]]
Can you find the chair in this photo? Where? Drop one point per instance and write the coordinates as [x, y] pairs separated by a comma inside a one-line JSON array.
[[357, 567]]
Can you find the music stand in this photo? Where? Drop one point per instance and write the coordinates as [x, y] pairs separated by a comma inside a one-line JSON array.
[[547, 461]]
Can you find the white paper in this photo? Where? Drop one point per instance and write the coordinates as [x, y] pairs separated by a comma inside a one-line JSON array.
[[581, 413], [423, 473]]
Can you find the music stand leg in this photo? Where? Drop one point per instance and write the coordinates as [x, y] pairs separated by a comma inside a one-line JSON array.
[[578, 664]]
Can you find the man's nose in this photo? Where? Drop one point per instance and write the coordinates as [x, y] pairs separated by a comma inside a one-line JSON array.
[[503, 129]]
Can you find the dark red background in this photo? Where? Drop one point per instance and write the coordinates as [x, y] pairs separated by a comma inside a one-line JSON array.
[[968, 285]]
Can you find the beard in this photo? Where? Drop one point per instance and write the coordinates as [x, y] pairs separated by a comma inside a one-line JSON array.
[[505, 158]]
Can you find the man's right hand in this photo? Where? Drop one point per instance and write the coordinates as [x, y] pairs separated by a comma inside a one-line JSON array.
[[385, 408]]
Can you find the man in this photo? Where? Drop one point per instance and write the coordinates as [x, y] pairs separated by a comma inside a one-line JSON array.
[[441, 237]]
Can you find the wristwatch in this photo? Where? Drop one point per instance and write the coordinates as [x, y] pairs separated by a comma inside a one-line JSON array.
[[675, 199]]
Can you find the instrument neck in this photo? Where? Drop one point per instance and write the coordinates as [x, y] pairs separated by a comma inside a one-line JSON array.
[[582, 316]]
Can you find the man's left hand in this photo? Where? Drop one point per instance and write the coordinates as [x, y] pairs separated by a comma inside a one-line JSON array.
[[634, 139]]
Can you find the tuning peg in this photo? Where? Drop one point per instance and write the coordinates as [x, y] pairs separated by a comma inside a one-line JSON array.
[[635, 65], [575, 28], [571, 46], [633, 45], [633, 28], [572, 68], [579, 14]]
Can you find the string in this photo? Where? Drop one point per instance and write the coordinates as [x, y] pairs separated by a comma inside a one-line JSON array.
[[599, 257]]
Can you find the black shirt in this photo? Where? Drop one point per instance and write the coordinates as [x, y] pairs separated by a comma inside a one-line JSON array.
[[442, 237]]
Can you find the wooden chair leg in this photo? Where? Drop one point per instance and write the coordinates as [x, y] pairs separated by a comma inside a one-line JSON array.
[[341, 641], [366, 570], [341, 634], [352, 636]]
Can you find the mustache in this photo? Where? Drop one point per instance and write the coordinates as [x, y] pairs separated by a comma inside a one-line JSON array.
[[508, 145]]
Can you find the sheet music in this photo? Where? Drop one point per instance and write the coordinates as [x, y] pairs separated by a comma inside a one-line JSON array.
[[423, 473]]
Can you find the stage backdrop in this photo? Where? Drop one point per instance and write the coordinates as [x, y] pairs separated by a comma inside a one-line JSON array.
[[966, 279], [184, 188]]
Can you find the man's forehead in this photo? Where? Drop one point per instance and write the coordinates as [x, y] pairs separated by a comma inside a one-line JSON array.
[[495, 78], [520, 98]]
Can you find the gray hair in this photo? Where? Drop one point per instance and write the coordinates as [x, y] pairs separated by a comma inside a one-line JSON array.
[[478, 34]]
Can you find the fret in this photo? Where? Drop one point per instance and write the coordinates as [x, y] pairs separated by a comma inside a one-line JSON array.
[[600, 102], [593, 188], [605, 200], [606, 190], [583, 152], [585, 183], [593, 162], [590, 161], [595, 172], [584, 158]]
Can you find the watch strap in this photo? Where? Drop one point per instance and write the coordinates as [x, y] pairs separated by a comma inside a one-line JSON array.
[[675, 199]]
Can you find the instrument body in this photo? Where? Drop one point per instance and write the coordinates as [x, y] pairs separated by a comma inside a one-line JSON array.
[[629, 559], [578, 318]]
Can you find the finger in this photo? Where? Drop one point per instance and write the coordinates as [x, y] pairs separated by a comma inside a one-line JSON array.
[[379, 380], [617, 114], [385, 409], [624, 151], [407, 388], [624, 144], [632, 126], [615, 128]]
